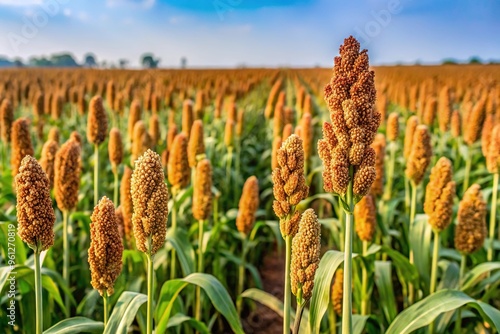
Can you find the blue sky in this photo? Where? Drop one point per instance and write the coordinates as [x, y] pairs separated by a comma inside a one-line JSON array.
[[252, 32]]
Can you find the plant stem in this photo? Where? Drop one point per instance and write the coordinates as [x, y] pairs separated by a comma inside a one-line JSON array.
[[228, 168], [468, 163], [149, 327], [390, 171], [407, 196], [332, 319], [364, 283], [287, 294], [347, 296], [458, 322], [66, 254], [241, 277], [96, 174], [411, 288], [493, 213], [174, 227], [105, 298], [298, 318], [435, 256], [200, 268], [38, 293], [115, 193]]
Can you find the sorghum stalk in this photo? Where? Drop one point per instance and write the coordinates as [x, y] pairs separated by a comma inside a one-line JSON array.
[[493, 217], [287, 298], [347, 296], [38, 294], [493, 165], [364, 283], [66, 254], [458, 321]]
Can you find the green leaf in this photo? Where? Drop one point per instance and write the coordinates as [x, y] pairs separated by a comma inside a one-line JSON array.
[[215, 291], [179, 319], [76, 325], [124, 312], [407, 270], [476, 274], [322, 287], [383, 281], [358, 323], [426, 311], [420, 241], [180, 241]]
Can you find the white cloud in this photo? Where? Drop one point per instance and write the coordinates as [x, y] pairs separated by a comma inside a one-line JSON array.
[[145, 4], [20, 3], [67, 12]]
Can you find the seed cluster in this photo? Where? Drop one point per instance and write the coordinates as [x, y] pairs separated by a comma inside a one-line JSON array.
[[196, 145], [365, 218], [202, 192], [97, 123], [471, 232], [67, 175], [420, 154], [47, 161], [249, 203], [178, 165]]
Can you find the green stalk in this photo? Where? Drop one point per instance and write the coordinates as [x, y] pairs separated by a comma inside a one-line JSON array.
[[287, 294], [493, 214], [174, 227], [364, 283], [96, 175], [105, 298], [468, 163], [298, 318], [228, 167], [66, 254], [38, 293], [200, 268], [241, 276], [149, 327], [435, 256], [115, 193], [407, 196], [332, 320], [411, 288], [458, 322], [390, 171], [347, 296]]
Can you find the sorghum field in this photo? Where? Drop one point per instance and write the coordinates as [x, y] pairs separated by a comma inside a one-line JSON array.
[[362, 200]]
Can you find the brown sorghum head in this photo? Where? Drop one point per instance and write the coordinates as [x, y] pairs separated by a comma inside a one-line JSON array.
[[392, 130], [379, 147], [475, 122], [149, 197], [106, 247], [276, 146], [67, 175], [287, 131], [420, 155], [126, 204], [249, 203], [141, 141], [307, 134], [119, 104], [97, 122], [76, 137], [21, 143], [229, 133], [57, 106], [110, 94], [48, 158], [115, 148], [38, 105], [6, 119], [171, 133], [178, 165], [35, 215], [350, 96], [135, 114], [306, 247], [202, 192], [471, 229], [411, 126], [439, 195], [278, 120], [187, 117], [444, 109], [493, 153], [120, 222], [196, 144], [240, 122], [365, 218], [338, 291], [154, 129], [289, 184], [489, 123], [456, 124], [54, 134], [430, 111]]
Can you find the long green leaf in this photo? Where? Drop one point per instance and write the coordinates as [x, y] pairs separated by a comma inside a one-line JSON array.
[[358, 323], [322, 287], [179, 319], [124, 312], [476, 274], [383, 281], [76, 325], [425, 311], [180, 241], [420, 241]]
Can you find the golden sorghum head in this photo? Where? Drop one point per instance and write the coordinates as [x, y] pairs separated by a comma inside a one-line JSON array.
[[338, 291], [439, 195], [38, 105], [82, 103], [6, 119], [187, 117], [171, 133], [488, 125], [240, 122], [289, 115], [365, 218], [97, 122], [493, 154], [202, 192], [274, 158], [119, 221], [411, 125], [306, 247], [35, 215], [278, 120], [154, 129], [379, 147], [115, 148], [231, 109], [420, 155], [289, 184], [141, 142], [392, 130], [475, 122], [48, 158], [126, 204], [456, 124], [444, 109], [249, 203], [135, 115], [229, 133], [308, 107], [149, 197], [106, 247], [76, 137], [110, 94], [54, 134], [287, 131], [196, 144], [47, 103], [350, 96], [307, 134], [178, 166], [21, 143], [57, 106], [67, 175], [471, 229], [119, 104], [430, 111]]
